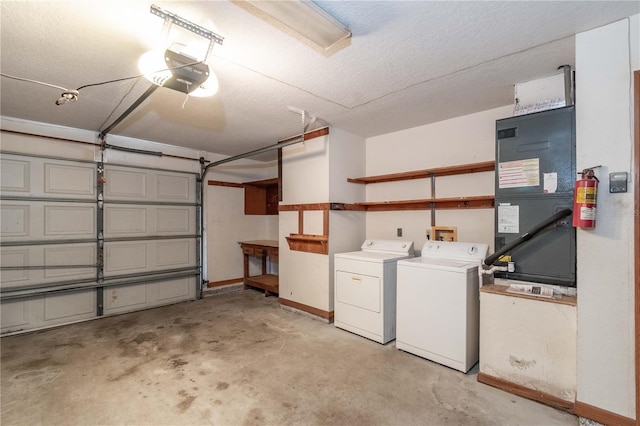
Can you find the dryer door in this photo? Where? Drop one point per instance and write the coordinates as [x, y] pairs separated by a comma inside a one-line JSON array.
[[358, 290]]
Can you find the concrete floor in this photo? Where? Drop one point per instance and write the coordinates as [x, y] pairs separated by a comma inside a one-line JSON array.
[[238, 359]]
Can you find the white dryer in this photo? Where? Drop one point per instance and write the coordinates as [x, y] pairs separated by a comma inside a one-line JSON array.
[[438, 305], [365, 288]]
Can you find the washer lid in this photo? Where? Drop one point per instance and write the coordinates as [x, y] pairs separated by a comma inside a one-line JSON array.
[[455, 250], [452, 265]]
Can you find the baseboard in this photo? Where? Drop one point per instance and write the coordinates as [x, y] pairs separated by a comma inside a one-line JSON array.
[[212, 284], [326, 315], [542, 397], [601, 416]]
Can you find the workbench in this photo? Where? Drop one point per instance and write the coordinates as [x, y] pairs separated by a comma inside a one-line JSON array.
[[265, 250]]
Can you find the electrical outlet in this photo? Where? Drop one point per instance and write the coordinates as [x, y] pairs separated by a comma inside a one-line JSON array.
[[399, 232]]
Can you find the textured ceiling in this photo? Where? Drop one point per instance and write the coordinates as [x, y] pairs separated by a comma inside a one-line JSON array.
[[407, 64]]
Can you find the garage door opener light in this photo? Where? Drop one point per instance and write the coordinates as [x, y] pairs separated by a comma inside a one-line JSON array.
[[179, 67]]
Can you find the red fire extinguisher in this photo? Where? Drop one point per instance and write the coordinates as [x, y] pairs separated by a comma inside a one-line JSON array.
[[584, 200]]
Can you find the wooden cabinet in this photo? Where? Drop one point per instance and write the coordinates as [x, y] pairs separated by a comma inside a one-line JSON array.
[[261, 197], [263, 249], [482, 202]]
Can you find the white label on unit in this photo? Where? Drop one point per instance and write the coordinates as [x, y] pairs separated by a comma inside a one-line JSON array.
[[550, 183], [519, 173], [508, 219]]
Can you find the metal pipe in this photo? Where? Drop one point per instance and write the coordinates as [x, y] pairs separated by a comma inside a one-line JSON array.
[[298, 139], [27, 267], [47, 199], [133, 150], [36, 290], [151, 238], [527, 236], [149, 276], [44, 242], [129, 110], [149, 203]]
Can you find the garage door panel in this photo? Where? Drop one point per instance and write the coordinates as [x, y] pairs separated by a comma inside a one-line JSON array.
[[36, 221], [129, 257], [175, 254], [43, 256], [74, 254], [134, 297], [46, 177], [14, 313], [171, 220], [125, 297], [48, 310], [15, 175], [65, 179], [125, 184], [168, 291], [125, 257], [17, 258], [173, 187], [69, 306], [123, 220], [70, 221], [16, 221]]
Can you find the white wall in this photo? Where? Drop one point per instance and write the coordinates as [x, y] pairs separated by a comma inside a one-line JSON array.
[[347, 161], [461, 140], [605, 255], [346, 228], [304, 277], [305, 174], [316, 172]]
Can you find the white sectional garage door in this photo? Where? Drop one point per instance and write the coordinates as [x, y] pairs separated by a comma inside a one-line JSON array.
[[79, 240]]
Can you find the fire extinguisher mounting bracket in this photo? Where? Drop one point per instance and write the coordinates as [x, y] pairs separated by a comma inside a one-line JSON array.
[[589, 173]]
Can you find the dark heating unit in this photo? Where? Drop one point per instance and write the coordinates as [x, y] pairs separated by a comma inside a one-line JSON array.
[[535, 175]]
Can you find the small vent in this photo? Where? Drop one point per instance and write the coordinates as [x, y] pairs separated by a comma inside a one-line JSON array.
[[507, 133]]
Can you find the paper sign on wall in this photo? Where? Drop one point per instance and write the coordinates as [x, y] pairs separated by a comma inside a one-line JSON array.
[[508, 219], [519, 173]]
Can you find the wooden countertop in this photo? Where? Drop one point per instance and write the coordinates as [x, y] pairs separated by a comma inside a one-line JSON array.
[[502, 290], [262, 243]]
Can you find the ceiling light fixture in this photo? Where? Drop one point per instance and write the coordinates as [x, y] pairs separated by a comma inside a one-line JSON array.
[[307, 19], [179, 67]]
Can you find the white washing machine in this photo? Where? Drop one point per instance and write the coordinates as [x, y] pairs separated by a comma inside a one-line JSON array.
[[438, 305], [365, 288]]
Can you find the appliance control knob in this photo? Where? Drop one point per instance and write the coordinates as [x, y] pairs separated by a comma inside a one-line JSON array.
[[404, 246], [369, 243], [472, 250]]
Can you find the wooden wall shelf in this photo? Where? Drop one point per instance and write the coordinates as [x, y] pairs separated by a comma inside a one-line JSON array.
[[479, 202], [310, 243], [485, 166], [475, 202]]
